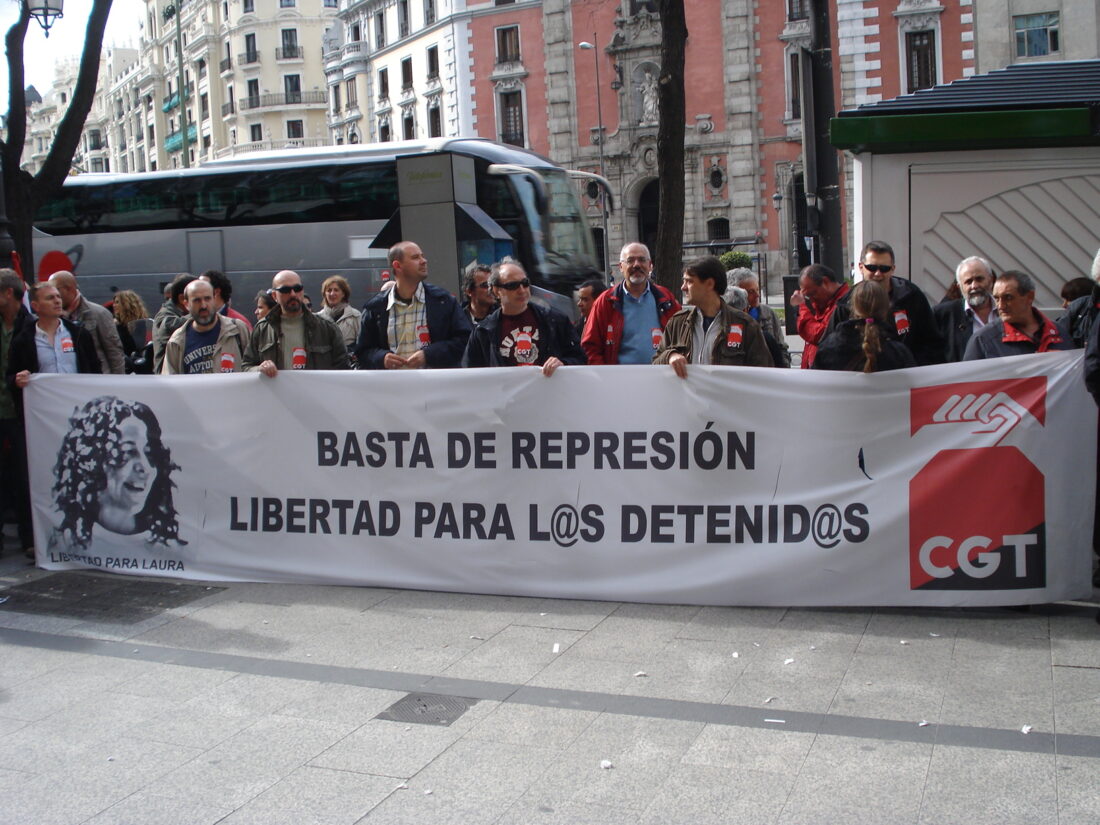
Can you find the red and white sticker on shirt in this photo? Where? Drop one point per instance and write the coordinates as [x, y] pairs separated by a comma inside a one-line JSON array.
[[298, 358], [524, 350], [228, 361], [67, 345], [655, 333], [901, 321], [423, 336], [733, 337]]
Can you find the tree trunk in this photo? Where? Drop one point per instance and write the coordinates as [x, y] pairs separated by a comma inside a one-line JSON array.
[[25, 194], [668, 256]]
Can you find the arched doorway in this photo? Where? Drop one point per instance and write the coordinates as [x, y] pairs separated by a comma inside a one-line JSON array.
[[648, 214]]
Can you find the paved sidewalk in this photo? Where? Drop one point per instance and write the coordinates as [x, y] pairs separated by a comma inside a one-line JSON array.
[[144, 702]]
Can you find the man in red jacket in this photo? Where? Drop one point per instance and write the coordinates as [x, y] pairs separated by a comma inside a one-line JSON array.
[[816, 297], [626, 322]]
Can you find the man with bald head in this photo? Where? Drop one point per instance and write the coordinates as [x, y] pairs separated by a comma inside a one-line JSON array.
[[414, 325], [207, 341], [292, 338], [97, 320], [625, 323]]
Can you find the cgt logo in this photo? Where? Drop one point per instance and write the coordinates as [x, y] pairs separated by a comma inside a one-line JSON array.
[[977, 511]]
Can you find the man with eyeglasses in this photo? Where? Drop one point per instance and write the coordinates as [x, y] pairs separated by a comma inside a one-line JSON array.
[[414, 325], [626, 322], [520, 333], [475, 286], [910, 313], [1019, 329], [291, 338]]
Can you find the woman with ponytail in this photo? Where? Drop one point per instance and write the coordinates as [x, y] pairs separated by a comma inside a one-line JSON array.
[[865, 342]]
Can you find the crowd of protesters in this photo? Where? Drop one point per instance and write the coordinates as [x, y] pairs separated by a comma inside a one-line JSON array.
[[884, 322]]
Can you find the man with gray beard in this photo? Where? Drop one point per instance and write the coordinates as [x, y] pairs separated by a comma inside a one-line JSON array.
[[958, 320]]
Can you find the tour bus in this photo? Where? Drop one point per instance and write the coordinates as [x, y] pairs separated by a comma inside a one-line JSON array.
[[317, 211]]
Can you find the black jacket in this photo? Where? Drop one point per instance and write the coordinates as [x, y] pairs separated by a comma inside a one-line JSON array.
[[842, 349], [24, 354], [922, 337], [1079, 318], [955, 327], [556, 337], [448, 327]]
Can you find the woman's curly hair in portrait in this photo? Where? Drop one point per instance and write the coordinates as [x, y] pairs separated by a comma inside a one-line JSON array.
[[92, 445]]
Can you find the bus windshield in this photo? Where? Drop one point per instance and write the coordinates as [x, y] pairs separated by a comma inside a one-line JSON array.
[[561, 239]]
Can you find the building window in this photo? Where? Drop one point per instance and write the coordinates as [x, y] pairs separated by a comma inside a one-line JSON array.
[[295, 130], [796, 84], [352, 94], [331, 4], [152, 136], [380, 31], [287, 4], [292, 85], [249, 6], [511, 118], [403, 18], [356, 33], [290, 48], [798, 9], [435, 122], [508, 44], [920, 59], [429, 12], [1036, 34], [718, 229], [639, 6], [334, 93], [256, 132], [383, 84], [406, 74], [204, 106], [433, 63], [408, 126], [251, 55], [384, 132], [253, 94]]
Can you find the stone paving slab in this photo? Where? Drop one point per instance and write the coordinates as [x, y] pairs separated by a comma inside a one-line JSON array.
[[258, 704]]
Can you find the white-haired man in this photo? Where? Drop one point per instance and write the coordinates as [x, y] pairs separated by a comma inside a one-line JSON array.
[[958, 320]]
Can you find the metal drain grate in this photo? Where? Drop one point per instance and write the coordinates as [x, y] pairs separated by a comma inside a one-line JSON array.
[[104, 598], [427, 709]]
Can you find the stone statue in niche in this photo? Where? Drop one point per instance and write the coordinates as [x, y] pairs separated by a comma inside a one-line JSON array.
[[649, 100]]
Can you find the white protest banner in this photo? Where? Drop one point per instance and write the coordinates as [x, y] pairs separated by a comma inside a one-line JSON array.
[[965, 484]]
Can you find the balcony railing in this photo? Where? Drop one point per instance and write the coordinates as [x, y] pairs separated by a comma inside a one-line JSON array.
[[283, 99], [225, 65], [174, 141], [288, 52], [248, 57], [228, 108], [268, 145]]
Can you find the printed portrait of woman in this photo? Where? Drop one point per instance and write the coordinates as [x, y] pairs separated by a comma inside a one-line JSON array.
[[113, 470]]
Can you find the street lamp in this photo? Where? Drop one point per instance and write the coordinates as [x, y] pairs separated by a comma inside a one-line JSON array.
[[171, 11], [45, 12], [584, 45]]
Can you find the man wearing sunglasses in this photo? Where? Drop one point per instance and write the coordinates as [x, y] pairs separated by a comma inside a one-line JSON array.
[[520, 333], [291, 338], [910, 313], [414, 325]]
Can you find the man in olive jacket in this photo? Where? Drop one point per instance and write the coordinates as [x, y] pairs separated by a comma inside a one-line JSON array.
[[710, 331], [291, 337]]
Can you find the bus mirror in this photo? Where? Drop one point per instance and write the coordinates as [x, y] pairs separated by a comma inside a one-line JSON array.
[[596, 184], [537, 183]]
